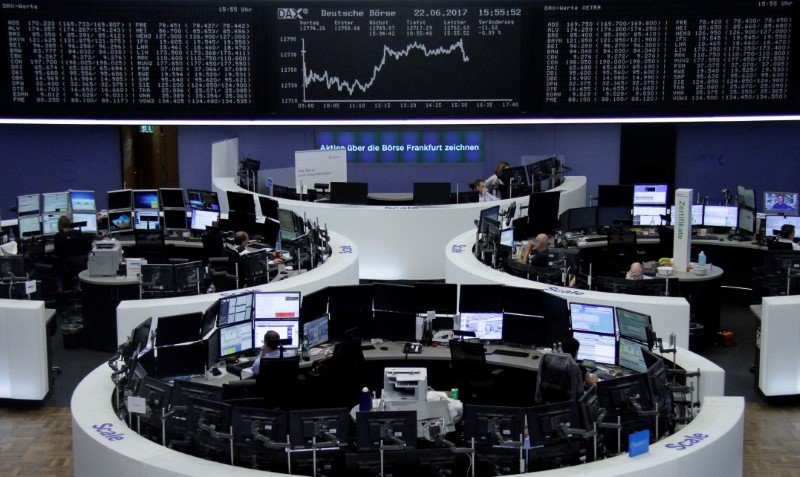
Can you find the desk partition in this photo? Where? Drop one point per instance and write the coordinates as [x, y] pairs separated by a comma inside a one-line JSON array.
[[24, 372], [779, 355]]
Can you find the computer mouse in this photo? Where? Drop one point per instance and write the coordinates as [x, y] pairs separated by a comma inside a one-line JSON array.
[[384, 348]]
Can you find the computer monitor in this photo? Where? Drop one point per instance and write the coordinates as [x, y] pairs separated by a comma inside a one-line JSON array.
[[314, 304], [516, 176], [608, 216], [746, 222], [697, 215], [349, 192], [625, 393], [210, 318], [325, 426], [775, 222], [156, 393], [176, 329], [269, 208], [158, 277], [614, 284], [235, 309], [119, 199], [236, 339], [543, 212], [596, 347], [241, 202], [486, 326], [346, 298], [201, 219], [720, 216], [650, 194], [277, 305], [745, 197], [546, 422], [253, 427], [507, 238], [50, 223], [393, 297], [594, 318], [147, 219], [145, 199], [609, 195], [188, 275], [140, 337], [183, 391], [28, 205], [439, 297], [490, 212], [633, 324], [630, 355], [493, 425], [377, 429], [431, 193], [120, 221], [481, 298], [526, 331], [90, 219], [182, 360], [648, 215], [556, 313], [286, 329], [29, 225], [55, 202], [175, 219], [12, 266], [82, 200], [286, 219], [315, 332], [579, 218], [394, 326], [202, 199], [785, 203], [171, 198]]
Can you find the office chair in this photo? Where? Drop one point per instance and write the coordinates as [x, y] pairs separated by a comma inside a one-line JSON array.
[[776, 245], [347, 368], [212, 246], [71, 254], [474, 378], [277, 382], [559, 379], [666, 240], [150, 245]]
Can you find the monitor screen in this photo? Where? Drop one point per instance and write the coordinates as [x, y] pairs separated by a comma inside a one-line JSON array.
[[175, 219], [543, 212], [277, 305], [202, 199], [349, 192], [431, 193], [316, 331], [186, 360], [648, 215], [82, 200], [286, 329], [146, 220], [235, 309], [614, 195], [241, 202], [595, 318], [119, 199], [55, 202], [50, 223], [633, 324], [203, 218], [269, 208], [29, 225], [491, 212], [393, 297], [720, 216], [522, 330], [507, 238], [89, 218], [580, 218], [394, 326], [650, 194], [236, 339], [145, 199], [746, 220], [606, 216], [697, 215], [781, 203], [745, 197], [28, 205], [171, 198], [176, 329], [774, 222], [439, 297], [286, 219], [487, 326], [596, 347], [630, 355]]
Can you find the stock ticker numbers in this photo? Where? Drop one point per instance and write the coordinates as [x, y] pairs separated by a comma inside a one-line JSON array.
[[409, 59]]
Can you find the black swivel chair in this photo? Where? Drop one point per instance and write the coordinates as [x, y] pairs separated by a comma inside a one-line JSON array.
[[475, 380], [347, 368], [150, 245], [559, 379], [277, 382], [71, 251]]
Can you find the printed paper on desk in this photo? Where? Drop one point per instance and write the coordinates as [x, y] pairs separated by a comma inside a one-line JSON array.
[[137, 405]]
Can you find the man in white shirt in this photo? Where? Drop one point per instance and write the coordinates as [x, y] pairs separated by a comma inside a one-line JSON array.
[[787, 236], [483, 193]]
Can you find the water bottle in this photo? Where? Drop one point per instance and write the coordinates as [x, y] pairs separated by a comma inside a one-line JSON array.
[[701, 258], [304, 350], [365, 402]]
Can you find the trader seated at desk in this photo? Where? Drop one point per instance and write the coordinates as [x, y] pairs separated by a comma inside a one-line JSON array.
[[636, 272], [270, 350], [571, 346], [786, 235], [241, 241], [540, 256], [483, 193]]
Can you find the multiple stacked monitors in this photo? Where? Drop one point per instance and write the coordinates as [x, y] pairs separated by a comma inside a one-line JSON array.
[[785, 203], [594, 327]]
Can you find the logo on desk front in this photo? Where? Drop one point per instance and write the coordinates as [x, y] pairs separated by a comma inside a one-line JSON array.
[[107, 430], [688, 442], [458, 249], [345, 249], [565, 291]]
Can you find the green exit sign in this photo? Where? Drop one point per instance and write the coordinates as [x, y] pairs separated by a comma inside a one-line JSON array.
[[147, 129]]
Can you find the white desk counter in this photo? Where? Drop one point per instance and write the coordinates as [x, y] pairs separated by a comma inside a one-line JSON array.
[[403, 242], [779, 362], [24, 372], [341, 268]]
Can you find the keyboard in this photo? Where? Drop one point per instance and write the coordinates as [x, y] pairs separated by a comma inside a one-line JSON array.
[[257, 246], [367, 347], [595, 238], [705, 237], [511, 352], [604, 376]]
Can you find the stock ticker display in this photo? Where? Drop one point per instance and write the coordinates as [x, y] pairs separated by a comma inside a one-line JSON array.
[[270, 60]]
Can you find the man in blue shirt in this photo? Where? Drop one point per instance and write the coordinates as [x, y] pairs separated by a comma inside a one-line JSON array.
[[483, 193], [269, 350]]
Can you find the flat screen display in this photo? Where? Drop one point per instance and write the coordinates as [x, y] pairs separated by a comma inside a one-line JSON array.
[[596, 347], [202, 199], [633, 324], [146, 220], [29, 225], [697, 215], [89, 218], [648, 215], [171, 198], [145, 199], [595, 318], [630, 355], [720, 216], [277, 305], [487, 326], [781, 203], [774, 222], [746, 220], [175, 219], [203, 218], [650, 194], [55, 202], [119, 199], [82, 200], [507, 237], [235, 309], [120, 221], [28, 205], [235, 339], [286, 329], [50, 223], [316, 331]]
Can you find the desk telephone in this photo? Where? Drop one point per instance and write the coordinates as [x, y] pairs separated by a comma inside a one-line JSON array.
[[414, 348]]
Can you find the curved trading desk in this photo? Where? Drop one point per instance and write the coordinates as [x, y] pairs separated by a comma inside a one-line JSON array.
[[341, 268], [403, 242], [719, 426]]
